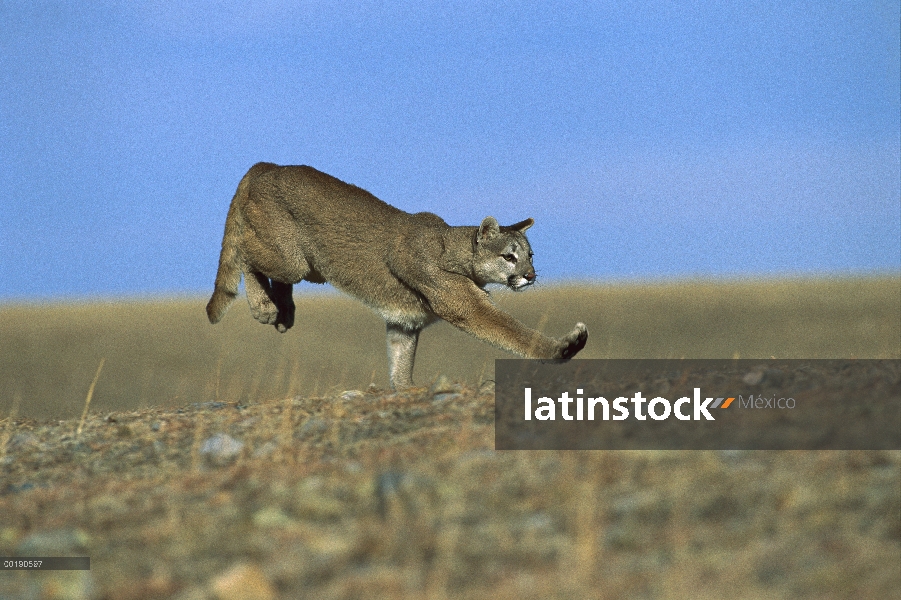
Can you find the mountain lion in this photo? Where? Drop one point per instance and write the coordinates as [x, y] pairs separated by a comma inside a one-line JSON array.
[[292, 224]]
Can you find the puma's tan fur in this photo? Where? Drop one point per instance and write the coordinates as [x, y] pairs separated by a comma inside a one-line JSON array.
[[288, 224]]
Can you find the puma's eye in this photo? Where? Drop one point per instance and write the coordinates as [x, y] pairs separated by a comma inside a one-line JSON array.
[[509, 258]]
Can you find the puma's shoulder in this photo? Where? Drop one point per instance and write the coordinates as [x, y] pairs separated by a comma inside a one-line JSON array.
[[416, 246], [429, 220]]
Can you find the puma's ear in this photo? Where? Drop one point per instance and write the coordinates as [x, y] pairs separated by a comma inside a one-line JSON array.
[[522, 225], [488, 229]]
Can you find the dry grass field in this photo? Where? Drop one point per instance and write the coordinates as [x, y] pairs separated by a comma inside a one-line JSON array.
[[165, 353], [232, 462]]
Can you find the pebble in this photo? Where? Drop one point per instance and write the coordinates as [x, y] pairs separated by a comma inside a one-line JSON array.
[[221, 446], [443, 385], [310, 427], [207, 405], [753, 377], [761, 375], [445, 397], [21, 442]]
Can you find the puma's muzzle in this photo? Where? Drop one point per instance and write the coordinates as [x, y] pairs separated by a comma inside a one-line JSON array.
[[518, 282]]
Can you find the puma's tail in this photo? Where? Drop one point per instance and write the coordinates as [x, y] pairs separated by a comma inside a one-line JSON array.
[[229, 275]]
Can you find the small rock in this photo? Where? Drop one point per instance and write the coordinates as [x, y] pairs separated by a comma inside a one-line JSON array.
[[222, 446], [243, 582], [352, 395], [445, 397], [22, 441], [753, 377], [213, 405], [311, 427], [442, 385], [13, 489], [760, 375]]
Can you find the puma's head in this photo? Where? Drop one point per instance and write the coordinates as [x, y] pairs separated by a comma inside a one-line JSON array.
[[503, 255]]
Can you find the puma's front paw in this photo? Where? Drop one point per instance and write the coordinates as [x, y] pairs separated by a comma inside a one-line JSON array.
[[571, 343]]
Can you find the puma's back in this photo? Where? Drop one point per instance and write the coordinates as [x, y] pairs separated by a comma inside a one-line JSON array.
[[290, 224], [302, 220], [301, 224]]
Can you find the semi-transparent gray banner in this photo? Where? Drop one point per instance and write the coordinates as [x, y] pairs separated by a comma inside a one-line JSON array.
[[698, 404]]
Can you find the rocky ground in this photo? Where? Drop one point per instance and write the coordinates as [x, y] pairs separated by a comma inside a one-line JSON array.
[[379, 495]]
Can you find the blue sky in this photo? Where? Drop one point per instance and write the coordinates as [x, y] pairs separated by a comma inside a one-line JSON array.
[[648, 139]]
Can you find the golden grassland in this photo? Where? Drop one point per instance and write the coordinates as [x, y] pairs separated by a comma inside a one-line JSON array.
[[165, 353], [195, 462]]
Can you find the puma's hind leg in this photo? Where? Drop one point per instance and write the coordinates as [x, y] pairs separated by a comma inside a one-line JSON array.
[[281, 296], [272, 268], [270, 302], [259, 297]]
